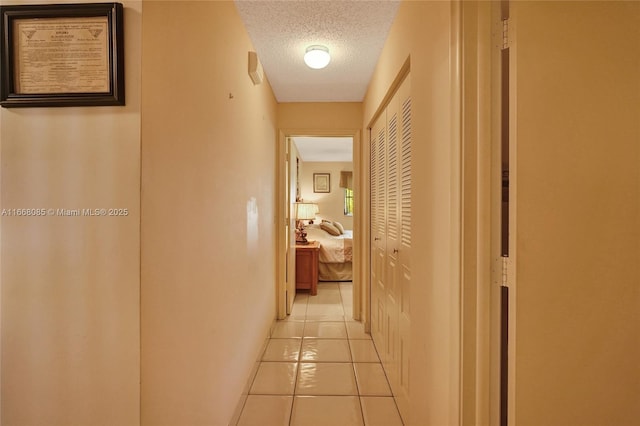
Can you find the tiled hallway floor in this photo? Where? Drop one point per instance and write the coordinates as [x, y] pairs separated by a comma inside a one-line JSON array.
[[320, 368]]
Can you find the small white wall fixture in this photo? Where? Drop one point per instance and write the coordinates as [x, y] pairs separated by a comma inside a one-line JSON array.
[[256, 73]]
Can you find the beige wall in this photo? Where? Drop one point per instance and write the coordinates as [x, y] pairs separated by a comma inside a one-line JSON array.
[[331, 205], [322, 117], [70, 285], [208, 262], [421, 31], [577, 213]]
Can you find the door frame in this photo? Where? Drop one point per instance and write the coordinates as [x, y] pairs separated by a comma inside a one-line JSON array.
[[359, 306], [478, 105]]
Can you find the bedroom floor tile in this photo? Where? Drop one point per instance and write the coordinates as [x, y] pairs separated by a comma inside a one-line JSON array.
[[363, 351], [299, 310], [325, 350], [320, 317], [274, 378], [328, 285], [288, 329], [330, 297], [301, 298], [325, 330], [346, 293], [328, 310], [326, 378], [371, 379], [282, 350], [320, 368], [266, 410], [380, 411], [326, 411], [355, 330]]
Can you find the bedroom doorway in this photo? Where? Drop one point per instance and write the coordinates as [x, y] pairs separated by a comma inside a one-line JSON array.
[[319, 171]]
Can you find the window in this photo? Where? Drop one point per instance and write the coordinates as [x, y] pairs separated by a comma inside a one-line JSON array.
[[348, 202]]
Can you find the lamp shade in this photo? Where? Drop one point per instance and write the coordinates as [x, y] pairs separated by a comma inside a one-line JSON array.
[[317, 57], [306, 211]]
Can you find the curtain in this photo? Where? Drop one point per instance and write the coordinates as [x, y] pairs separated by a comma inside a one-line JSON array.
[[346, 180]]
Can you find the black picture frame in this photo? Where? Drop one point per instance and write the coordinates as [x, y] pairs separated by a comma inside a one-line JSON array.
[[111, 76]]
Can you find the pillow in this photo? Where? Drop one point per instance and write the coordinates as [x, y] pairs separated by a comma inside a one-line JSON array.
[[339, 226], [330, 228]]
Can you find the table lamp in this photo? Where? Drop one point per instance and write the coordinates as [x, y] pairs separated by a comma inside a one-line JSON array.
[[304, 211]]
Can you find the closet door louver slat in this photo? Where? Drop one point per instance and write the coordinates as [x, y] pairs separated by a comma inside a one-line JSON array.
[[406, 174], [392, 179], [381, 181]]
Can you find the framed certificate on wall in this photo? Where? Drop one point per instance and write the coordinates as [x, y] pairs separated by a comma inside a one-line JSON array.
[[62, 55]]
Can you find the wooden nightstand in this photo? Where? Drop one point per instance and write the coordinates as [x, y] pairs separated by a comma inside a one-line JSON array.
[[307, 266]]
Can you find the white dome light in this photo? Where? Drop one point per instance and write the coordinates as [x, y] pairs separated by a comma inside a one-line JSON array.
[[317, 57]]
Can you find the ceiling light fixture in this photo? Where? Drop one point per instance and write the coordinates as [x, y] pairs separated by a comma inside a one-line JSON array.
[[317, 57]]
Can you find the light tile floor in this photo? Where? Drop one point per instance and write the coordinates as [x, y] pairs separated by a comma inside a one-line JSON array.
[[320, 368]]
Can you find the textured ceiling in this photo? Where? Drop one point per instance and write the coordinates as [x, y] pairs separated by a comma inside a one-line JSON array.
[[353, 30], [324, 149]]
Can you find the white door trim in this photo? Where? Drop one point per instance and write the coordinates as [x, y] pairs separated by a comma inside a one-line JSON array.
[[359, 311]]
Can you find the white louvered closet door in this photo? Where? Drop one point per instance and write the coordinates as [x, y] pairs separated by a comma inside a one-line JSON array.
[[392, 296], [391, 240], [378, 228], [404, 257]]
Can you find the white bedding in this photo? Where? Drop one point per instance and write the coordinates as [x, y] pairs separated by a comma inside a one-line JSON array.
[[333, 249]]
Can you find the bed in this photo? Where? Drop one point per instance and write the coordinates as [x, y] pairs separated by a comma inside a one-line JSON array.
[[336, 253]]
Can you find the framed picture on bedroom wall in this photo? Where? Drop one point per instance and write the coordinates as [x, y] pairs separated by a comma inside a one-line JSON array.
[[321, 182]]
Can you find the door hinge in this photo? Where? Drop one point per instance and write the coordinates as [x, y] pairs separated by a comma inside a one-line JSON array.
[[505, 269], [505, 34]]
